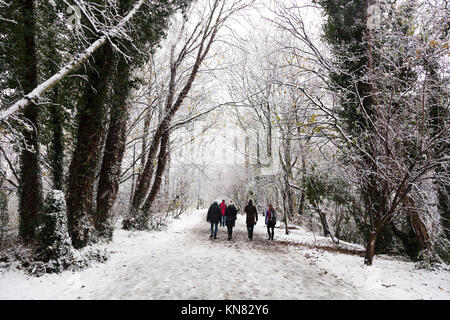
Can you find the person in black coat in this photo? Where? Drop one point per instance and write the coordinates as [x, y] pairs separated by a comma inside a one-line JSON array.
[[251, 219], [214, 215], [230, 214]]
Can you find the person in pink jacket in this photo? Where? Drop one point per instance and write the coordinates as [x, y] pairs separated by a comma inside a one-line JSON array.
[[271, 220]]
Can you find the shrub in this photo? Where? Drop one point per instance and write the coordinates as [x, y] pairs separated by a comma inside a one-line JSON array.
[[54, 246]]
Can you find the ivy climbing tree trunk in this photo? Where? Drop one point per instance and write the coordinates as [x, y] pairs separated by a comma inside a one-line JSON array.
[[30, 188], [108, 184], [91, 128], [57, 145]]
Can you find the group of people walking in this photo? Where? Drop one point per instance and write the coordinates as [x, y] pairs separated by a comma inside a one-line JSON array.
[[226, 215]]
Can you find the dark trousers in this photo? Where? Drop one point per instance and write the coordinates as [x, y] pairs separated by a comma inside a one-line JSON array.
[[230, 231], [222, 221], [214, 228], [269, 228], [250, 230]]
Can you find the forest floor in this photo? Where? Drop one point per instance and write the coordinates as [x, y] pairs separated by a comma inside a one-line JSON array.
[[182, 262]]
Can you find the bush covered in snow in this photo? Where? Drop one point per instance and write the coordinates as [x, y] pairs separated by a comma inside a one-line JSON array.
[[54, 251], [54, 244]]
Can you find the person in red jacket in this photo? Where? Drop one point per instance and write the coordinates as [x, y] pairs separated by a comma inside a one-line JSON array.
[[223, 207]]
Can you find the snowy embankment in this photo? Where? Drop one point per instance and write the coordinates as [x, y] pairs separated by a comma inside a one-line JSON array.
[[183, 263], [388, 277]]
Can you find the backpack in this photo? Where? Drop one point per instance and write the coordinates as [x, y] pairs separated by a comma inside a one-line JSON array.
[[273, 216]]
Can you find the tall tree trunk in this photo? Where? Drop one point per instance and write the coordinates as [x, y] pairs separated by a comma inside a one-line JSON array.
[[370, 248], [294, 202], [57, 143], [287, 173], [444, 206], [144, 180], [91, 128], [145, 133], [437, 100], [258, 155], [57, 129], [418, 226], [167, 171], [48, 30], [30, 188], [247, 155], [269, 134], [133, 176], [302, 205], [301, 208], [109, 179], [289, 197], [138, 218], [286, 217], [145, 177], [323, 220], [162, 161]]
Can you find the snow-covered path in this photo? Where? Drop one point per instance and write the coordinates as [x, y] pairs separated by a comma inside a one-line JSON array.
[[183, 263], [188, 265]]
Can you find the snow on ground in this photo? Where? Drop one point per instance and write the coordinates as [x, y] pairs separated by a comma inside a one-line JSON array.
[[388, 277], [183, 263]]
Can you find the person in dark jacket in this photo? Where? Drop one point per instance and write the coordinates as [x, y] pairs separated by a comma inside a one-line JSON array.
[[252, 218], [214, 215], [271, 220], [231, 215], [223, 207]]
